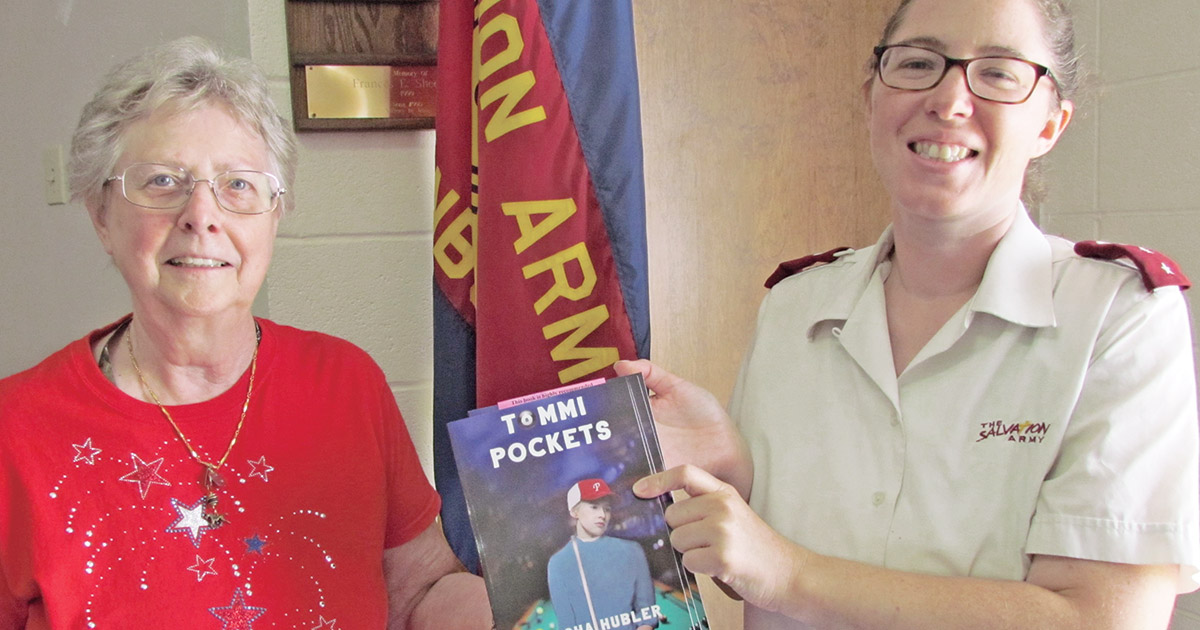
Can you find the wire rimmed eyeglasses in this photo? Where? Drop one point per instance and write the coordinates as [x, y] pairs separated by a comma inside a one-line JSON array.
[[167, 187], [1008, 80]]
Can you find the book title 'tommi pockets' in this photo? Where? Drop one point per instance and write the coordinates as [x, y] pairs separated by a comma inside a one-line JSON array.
[[563, 542]]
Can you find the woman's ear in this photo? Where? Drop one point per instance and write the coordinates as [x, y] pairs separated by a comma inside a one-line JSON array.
[[866, 94], [1055, 125], [99, 215]]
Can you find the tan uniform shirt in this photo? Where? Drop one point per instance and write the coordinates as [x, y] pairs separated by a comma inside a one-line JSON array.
[[1055, 413]]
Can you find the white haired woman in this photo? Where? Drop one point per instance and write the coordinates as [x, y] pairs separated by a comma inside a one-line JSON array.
[[190, 464]]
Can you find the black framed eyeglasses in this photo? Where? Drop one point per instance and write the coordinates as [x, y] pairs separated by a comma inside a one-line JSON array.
[[1000, 79], [167, 187]]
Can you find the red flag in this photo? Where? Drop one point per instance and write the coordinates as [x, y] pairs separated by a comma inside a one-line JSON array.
[[539, 237]]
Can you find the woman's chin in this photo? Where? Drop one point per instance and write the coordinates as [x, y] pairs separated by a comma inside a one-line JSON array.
[[201, 303]]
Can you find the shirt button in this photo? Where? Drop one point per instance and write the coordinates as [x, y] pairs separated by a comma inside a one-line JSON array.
[[877, 498]]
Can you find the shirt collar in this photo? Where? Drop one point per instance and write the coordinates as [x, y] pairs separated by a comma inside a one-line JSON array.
[[1017, 283], [840, 306]]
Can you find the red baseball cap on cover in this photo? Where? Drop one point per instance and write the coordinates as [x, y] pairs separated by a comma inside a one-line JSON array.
[[587, 490]]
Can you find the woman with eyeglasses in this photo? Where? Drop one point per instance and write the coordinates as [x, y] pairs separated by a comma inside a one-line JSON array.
[[191, 465], [969, 424]]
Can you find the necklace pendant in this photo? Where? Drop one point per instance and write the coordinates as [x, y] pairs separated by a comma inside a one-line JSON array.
[[214, 520], [212, 479]]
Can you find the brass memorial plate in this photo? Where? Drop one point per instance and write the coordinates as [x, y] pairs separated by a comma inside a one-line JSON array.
[[371, 91]]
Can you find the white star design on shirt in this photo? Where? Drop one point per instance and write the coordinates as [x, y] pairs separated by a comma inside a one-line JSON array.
[[90, 456], [191, 520], [331, 624], [260, 468], [203, 568], [1167, 268]]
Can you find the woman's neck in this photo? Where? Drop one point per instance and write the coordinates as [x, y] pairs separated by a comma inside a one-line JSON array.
[[936, 269], [183, 361], [940, 258]]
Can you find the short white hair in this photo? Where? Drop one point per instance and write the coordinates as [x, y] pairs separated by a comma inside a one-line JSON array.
[[186, 74]]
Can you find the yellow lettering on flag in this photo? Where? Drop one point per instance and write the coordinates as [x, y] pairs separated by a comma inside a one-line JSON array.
[[508, 26], [557, 211], [512, 90], [483, 6], [446, 202], [459, 236], [580, 325], [556, 264]]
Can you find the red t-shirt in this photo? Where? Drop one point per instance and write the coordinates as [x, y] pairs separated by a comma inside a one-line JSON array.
[[99, 526]]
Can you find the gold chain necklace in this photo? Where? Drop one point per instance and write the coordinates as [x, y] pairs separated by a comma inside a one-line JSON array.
[[211, 480]]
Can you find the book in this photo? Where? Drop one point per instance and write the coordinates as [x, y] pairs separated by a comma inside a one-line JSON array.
[[563, 542]]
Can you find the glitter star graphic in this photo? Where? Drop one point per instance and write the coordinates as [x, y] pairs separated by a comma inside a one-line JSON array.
[[86, 453], [203, 568], [145, 475], [237, 615], [191, 520], [331, 624], [255, 544], [260, 468]]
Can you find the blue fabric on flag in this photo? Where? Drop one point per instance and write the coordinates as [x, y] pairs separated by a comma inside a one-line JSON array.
[[453, 398], [594, 49]]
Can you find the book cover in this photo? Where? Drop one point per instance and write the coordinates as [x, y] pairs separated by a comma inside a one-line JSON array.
[[564, 543]]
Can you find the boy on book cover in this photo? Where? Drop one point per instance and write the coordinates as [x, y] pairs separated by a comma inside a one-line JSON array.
[[599, 581]]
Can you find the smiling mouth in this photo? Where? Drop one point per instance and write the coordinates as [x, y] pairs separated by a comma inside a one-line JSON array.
[[942, 152], [188, 261]]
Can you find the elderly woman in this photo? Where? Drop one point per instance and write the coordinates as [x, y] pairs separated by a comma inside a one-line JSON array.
[[969, 424], [190, 464]]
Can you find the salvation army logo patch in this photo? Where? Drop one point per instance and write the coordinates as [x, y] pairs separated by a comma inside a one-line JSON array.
[[1020, 432]]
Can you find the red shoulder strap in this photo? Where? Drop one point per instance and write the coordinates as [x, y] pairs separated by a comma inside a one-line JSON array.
[[1157, 270], [792, 267]]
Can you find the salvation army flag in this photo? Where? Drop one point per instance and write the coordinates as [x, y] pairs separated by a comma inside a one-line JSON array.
[[539, 228]]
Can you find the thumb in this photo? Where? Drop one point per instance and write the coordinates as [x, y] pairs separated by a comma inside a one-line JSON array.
[[625, 367], [658, 379]]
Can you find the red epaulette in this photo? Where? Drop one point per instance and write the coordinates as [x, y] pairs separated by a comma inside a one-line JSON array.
[[1157, 270], [791, 267]]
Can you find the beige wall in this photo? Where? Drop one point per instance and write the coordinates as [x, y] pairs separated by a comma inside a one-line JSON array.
[[55, 280], [1129, 170], [354, 258]]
